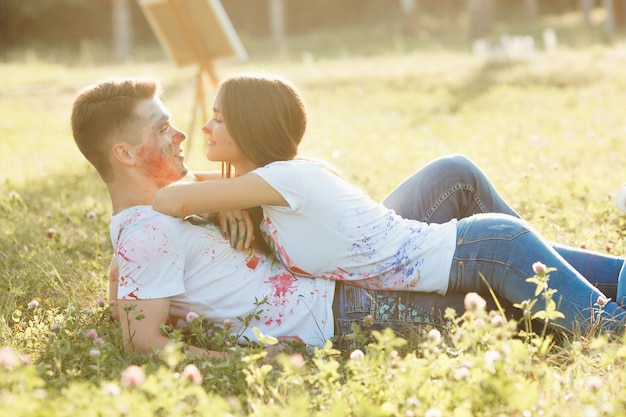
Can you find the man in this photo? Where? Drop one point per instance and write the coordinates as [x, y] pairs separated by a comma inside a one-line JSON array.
[[169, 267], [164, 268]]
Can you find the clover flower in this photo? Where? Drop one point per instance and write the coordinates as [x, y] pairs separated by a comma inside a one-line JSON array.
[[602, 301], [133, 376], [8, 358], [297, 360], [539, 269], [111, 389], [357, 355], [192, 373], [474, 302], [191, 316], [594, 383], [435, 336], [462, 373], [91, 334], [433, 412]]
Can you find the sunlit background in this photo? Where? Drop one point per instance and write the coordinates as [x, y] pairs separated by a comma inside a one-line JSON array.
[[106, 30]]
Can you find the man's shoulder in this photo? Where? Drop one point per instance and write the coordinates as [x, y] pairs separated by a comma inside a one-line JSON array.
[[141, 219], [139, 214]]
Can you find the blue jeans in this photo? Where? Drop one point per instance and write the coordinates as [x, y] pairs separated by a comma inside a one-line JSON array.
[[503, 248], [454, 187]]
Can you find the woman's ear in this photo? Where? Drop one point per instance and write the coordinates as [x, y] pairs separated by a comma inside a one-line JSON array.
[[122, 154]]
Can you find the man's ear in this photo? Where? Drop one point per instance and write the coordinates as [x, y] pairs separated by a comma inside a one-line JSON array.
[[122, 154]]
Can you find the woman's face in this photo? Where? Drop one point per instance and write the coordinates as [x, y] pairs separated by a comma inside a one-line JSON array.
[[221, 146]]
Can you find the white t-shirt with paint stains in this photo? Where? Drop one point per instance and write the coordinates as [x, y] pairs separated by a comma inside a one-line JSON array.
[[161, 256], [331, 229]]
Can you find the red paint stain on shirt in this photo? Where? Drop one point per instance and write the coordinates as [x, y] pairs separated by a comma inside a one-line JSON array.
[[252, 262], [132, 295], [283, 284]]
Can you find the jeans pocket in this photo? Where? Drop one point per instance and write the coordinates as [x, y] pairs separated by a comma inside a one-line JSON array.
[[395, 309], [351, 304]]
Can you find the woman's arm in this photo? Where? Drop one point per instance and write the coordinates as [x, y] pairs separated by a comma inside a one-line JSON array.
[[206, 175], [249, 190]]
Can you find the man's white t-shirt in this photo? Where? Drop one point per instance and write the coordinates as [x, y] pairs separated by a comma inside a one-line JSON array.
[[160, 256], [331, 229]]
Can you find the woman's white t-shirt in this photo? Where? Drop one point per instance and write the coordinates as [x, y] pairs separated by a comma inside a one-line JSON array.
[[331, 229], [160, 256]]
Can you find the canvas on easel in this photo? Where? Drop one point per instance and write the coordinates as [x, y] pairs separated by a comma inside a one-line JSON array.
[[194, 32]]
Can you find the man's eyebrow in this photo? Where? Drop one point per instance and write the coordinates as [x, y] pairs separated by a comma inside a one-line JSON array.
[[216, 110], [164, 117], [158, 116], [158, 122]]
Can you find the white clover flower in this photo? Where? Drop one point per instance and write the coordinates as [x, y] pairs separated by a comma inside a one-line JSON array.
[[435, 336], [433, 412], [111, 389], [474, 302], [491, 357], [594, 383], [357, 355], [462, 373]]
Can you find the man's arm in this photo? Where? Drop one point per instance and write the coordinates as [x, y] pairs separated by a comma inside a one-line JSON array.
[[141, 322], [113, 273]]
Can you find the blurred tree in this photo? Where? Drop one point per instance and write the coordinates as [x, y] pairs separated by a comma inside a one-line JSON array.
[[480, 14], [409, 14], [122, 29], [532, 9], [615, 14], [277, 16], [53, 24], [585, 7]]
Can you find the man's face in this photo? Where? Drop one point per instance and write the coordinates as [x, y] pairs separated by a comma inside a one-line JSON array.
[[159, 153]]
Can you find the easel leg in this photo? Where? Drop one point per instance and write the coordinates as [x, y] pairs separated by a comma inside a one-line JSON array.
[[200, 101]]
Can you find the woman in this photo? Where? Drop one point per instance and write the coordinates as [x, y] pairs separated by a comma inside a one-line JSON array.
[[319, 225]]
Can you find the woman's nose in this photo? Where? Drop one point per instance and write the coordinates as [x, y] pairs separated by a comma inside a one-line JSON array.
[[207, 128]]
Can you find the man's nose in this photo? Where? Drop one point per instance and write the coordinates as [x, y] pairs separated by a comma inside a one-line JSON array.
[[178, 137]]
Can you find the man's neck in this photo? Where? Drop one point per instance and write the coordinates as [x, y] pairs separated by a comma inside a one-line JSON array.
[[124, 196]]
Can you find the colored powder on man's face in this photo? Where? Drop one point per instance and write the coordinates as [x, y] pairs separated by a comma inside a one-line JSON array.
[[155, 163]]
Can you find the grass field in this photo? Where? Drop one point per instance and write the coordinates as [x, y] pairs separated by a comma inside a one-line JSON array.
[[550, 131]]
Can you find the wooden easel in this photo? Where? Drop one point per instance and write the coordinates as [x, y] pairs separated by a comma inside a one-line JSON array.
[[200, 101], [183, 31], [206, 70]]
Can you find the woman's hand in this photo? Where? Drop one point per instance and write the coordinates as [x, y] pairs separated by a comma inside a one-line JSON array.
[[237, 227]]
